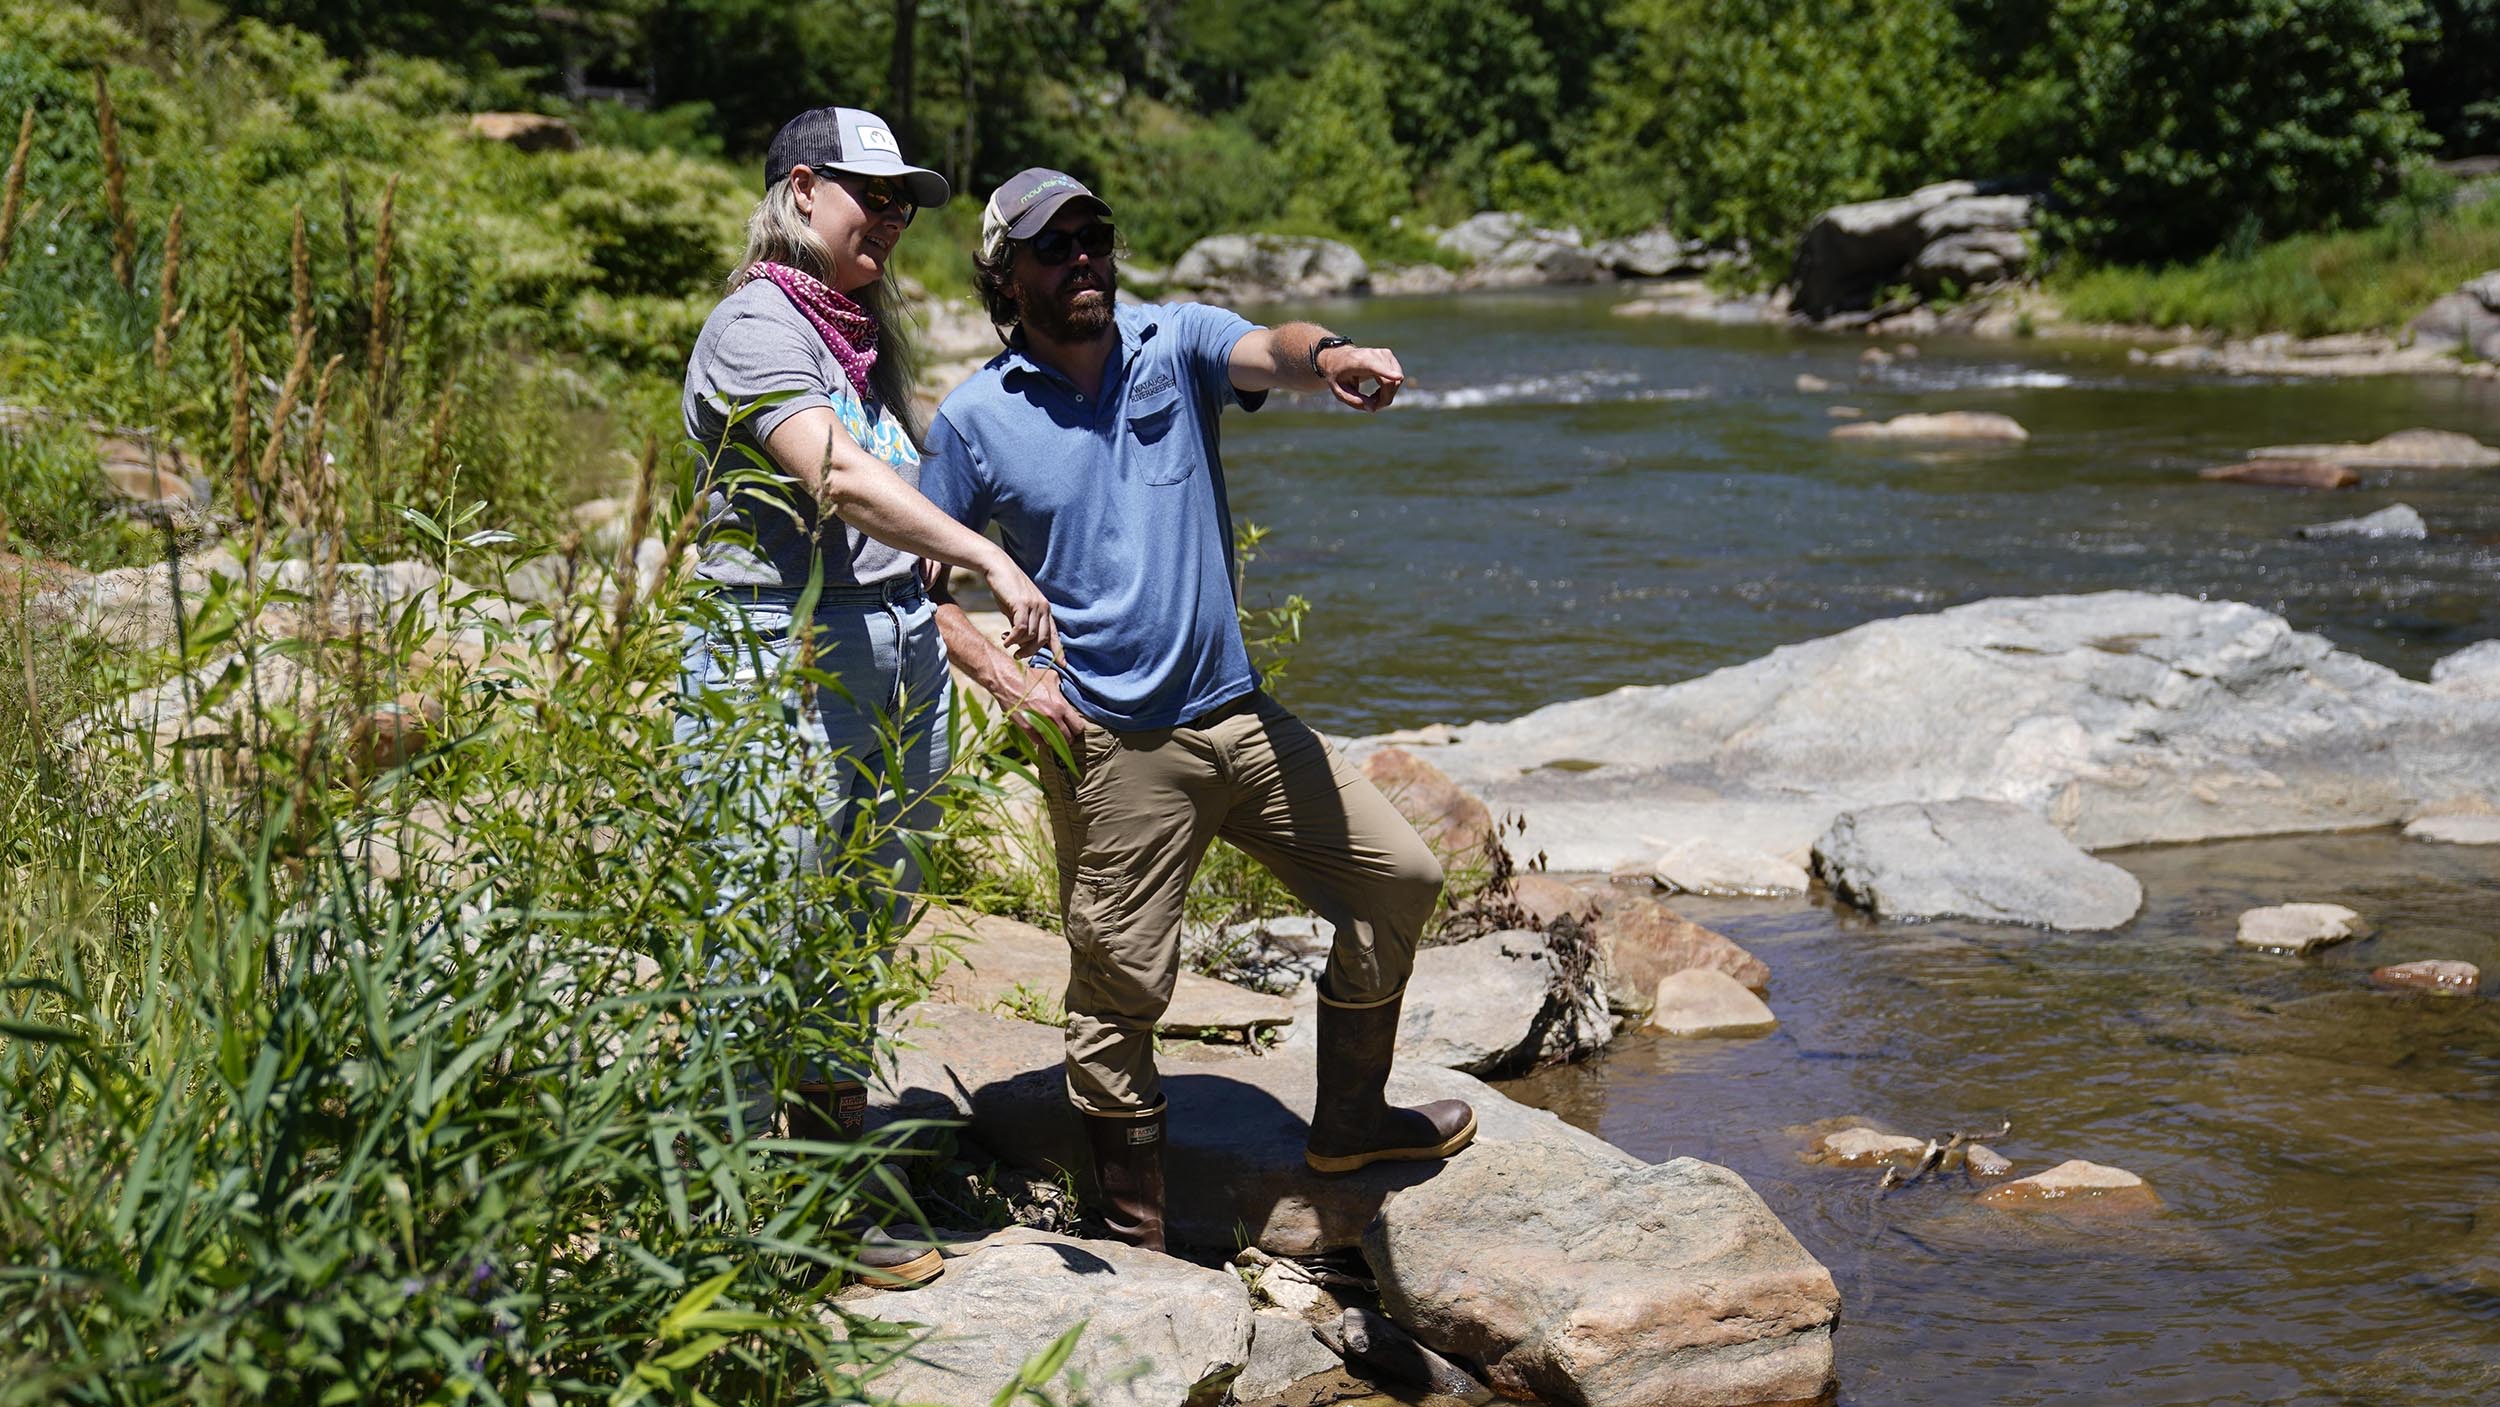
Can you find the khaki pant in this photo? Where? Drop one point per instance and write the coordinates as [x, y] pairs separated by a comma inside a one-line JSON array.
[[1133, 821]]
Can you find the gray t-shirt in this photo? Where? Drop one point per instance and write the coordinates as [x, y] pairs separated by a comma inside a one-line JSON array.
[[754, 344]]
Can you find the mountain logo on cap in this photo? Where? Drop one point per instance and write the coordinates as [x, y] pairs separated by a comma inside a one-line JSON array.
[[878, 139]]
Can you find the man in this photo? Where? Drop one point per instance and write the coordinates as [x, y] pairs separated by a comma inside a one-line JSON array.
[[1091, 443]]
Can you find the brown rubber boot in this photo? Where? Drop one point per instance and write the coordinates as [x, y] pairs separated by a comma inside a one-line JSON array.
[[1128, 1162], [1352, 1123], [838, 1113]]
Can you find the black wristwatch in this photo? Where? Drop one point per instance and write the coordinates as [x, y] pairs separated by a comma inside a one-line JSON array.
[[1322, 345]]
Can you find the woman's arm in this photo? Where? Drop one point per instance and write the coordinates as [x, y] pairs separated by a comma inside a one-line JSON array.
[[866, 493]]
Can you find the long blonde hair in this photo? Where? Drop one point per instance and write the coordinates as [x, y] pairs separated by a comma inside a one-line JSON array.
[[778, 232]]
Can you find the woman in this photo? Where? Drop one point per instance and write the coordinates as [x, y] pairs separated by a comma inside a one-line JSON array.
[[801, 367]]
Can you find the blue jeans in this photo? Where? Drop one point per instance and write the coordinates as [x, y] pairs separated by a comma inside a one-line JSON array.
[[895, 690]]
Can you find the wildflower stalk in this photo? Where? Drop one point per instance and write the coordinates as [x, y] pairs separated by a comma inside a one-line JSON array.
[[168, 287], [377, 339], [14, 200], [116, 177], [299, 272], [242, 422], [628, 552], [288, 392]]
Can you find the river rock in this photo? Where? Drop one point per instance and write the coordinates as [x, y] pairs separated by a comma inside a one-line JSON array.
[[1967, 262], [2444, 975], [1233, 1156], [1975, 426], [1158, 1331], [2396, 522], [2075, 1185], [1407, 280], [2125, 718], [149, 470], [2405, 449], [1865, 1148], [1984, 1161], [525, 131], [1373, 1341], [2455, 829], [2283, 474], [1501, 1004], [1255, 266], [1811, 384], [1971, 858], [2466, 322], [1509, 249], [2299, 928], [1454, 824], [1850, 253], [1579, 1279], [2473, 670], [1702, 1002], [1283, 1351], [1645, 941], [1286, 1285], [1653, 253], [1543, 899], [999, 963], [1711, 869]]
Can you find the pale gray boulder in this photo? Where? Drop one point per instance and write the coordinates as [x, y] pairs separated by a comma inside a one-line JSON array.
[[2397, 522], [1283, 1351], [1580, 1279], [1653, 253], [1852, 252], [1158, 1331], [1967, 262], [1508, 249], [2123, 718], [2466, 322], [2472, 670], [1252, 266], [1501, 1004], [1969, 858], [1372, 1342]]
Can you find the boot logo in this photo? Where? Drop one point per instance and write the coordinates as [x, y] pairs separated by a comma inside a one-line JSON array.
[[1143, 1134]]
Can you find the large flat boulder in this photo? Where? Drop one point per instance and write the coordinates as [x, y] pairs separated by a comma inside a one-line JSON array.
[[1231, 266], [1988, 860], [1234, 1157], [2123, 718], [1581, 1279], [1158, 1331], [2405, 449], [1502, 1004], [997, 962]]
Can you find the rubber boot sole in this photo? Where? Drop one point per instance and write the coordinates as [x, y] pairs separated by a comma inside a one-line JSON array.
[[910, 1275], [1346, 1163]]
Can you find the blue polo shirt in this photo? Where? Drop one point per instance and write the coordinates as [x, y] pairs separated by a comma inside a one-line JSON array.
[[1115, 506]]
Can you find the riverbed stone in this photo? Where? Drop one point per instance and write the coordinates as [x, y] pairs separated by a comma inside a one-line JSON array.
[[2405, 449], [1702, 1002], [1501, 1004], [2278, 473], [1972, 260], [1652, 253], [1002, 963], [1644, 941], [1971, 858], [1952, 426], [2396, 522], [1863, 1147], [1234, 1139], [2472, 670], [1984, 1161], [2447, 976], [2075, 1185], [1714, 870], [2124, 717], [1283, 1351], [1580, 1279], [1158, 1330], [1383, 1351], [1248, 266], [1850, 253], [2299, 928], [2455, 829], [1454, 824], [1544, 898], [1508, 249], [1812, 384]]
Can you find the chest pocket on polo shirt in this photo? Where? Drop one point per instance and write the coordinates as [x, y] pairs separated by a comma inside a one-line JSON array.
[[1153, 416]]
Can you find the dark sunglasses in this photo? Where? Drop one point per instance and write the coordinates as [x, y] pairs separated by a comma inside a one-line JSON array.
[[878, 195], [1051, 248]]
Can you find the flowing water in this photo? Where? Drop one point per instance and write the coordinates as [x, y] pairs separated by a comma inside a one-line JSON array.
[[1567, 501]]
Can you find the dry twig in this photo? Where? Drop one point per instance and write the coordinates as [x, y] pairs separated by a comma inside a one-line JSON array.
[[168, 288], [1935, 1155], [14, 201], [116, 178]]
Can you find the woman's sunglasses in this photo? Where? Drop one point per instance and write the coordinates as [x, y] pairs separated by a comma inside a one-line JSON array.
[[878, 195], [1051, 248]]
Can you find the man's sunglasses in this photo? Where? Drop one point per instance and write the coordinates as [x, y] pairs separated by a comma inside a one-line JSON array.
[[878, 195], [1051, 248]]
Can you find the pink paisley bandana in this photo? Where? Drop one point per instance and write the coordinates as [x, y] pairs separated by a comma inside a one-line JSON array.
[[849, 333]]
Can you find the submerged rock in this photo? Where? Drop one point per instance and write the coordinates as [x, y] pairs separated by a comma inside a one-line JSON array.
[[2299, 928], [2123, 718], [1371, 1340], [1581, 1279], [1709, 868], [1971, 858], [2284, 474], [2396, 521], [1978, 426], [1984, 1161], [1702, 1002], [2443, 975], [1158, 1331], [2405, 449], [1865, 1148], [2078, 1185]]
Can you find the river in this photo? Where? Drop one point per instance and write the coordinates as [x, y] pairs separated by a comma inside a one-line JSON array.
[[1566, 501]]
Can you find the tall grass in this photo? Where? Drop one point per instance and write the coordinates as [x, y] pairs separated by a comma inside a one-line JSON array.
[[2372, 280]]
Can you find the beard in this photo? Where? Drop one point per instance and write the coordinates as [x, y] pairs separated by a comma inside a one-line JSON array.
[[1077, 306]]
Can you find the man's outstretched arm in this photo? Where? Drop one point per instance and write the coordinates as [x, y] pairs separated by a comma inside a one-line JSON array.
[[1281, 358]]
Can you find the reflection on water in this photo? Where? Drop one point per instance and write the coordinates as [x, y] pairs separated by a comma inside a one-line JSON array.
[[2321, 1147], [1567, 501]]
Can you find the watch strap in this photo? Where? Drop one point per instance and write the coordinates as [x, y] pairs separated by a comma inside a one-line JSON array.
[[1322, 345]]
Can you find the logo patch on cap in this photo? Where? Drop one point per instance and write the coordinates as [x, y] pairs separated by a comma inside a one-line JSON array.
[[878, 139]]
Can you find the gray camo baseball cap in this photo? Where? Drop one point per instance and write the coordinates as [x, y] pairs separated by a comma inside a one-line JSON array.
[[1026, 201], [853, 140]]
